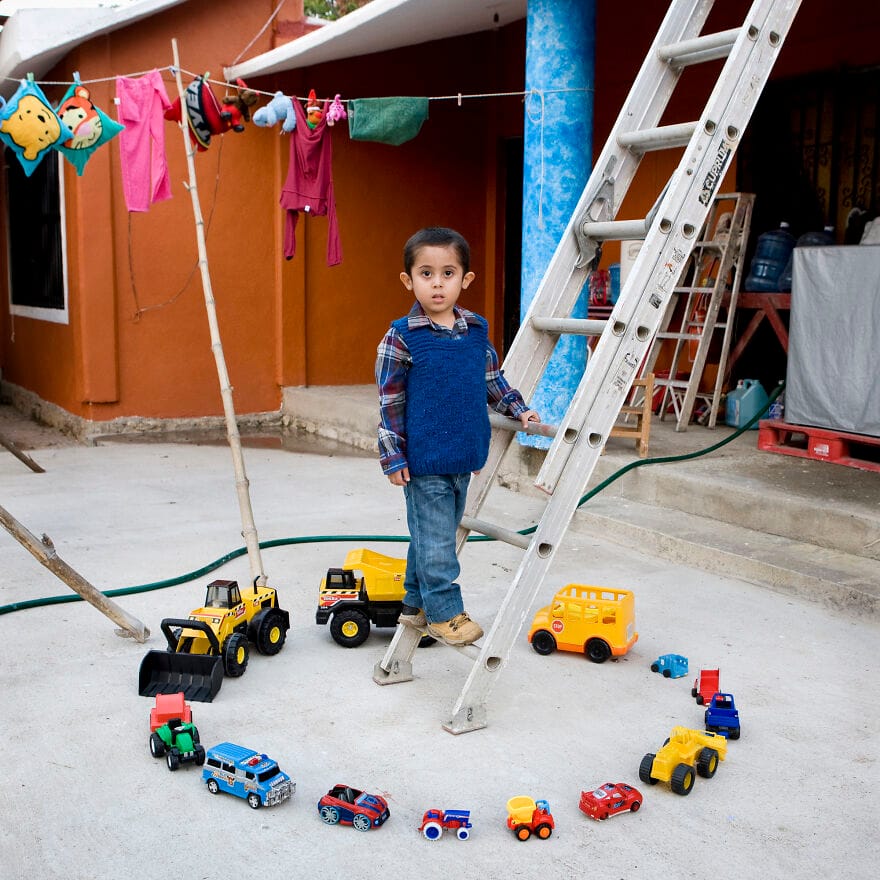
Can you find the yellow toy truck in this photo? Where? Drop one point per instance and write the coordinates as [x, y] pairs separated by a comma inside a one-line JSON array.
[[526, 817], [684, 753], [598, 621], [214, 639], [368, 588]]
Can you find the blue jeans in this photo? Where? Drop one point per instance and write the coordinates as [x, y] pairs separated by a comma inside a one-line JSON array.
[[434, 507]]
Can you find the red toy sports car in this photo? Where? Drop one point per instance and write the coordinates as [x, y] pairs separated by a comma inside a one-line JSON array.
[[610, 799], [343, 805]]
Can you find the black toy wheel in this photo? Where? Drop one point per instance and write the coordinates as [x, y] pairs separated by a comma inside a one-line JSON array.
[[522, 832], [598, 650], [543, 830], [682, 779], [645, 769], [350, 628], [235, 655], [172, 759], [694, 692], [635, 806], [655, 667], [200, 755], [195, 734], [707, 763], [667, 673], [733, 734], [543, 642], [271, 632], [157, 745], [213, 787], [700, 700], [254, 801]]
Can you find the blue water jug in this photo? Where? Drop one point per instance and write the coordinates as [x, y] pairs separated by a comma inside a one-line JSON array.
[[808, 239], [747, 400], [614, 273], [771, 254]]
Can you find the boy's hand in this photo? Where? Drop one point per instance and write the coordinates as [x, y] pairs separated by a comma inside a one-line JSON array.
[[529, 416], [399, 478]]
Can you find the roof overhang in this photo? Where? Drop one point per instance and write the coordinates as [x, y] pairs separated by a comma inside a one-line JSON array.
[[382, 25], [35, 40]]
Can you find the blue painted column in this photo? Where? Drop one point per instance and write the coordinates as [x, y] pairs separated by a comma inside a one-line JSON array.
[[557, 159]]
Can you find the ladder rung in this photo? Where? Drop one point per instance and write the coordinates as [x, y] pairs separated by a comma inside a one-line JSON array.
[[699, 49], [665, 137], [669, 334], [581, 326], [690, 289], [709, 245], [616, 230], [496, 420], [493, 531], [672, 383]]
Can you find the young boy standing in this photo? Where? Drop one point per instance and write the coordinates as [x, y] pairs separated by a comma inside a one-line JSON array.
[[436, 370]]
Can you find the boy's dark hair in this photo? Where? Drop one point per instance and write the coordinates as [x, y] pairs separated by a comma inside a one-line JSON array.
[[436, 236]]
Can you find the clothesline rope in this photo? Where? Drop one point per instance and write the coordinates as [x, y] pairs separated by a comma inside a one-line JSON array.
[[227, 85]]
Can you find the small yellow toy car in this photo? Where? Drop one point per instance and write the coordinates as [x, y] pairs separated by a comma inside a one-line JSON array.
[[597, 621]]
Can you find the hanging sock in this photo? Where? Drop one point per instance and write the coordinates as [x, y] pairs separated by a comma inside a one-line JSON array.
[[386, 120]]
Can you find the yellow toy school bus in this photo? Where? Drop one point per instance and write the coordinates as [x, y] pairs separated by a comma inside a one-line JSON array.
[[598, 621]]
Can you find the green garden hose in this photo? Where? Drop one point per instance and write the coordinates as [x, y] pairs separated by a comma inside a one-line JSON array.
[[326, 539]]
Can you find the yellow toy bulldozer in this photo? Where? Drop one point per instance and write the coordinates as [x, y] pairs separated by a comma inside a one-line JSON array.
[[214, 639]]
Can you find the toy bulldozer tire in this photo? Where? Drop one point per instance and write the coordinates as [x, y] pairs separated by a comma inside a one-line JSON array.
[[682, 779], [645, 769], [236, 655]]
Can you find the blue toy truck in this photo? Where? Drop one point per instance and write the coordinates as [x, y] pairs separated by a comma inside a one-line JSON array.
[[722, 716], [671, 665], [246, 774]]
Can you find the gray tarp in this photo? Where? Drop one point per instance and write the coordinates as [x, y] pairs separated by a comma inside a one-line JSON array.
[[834, 339]]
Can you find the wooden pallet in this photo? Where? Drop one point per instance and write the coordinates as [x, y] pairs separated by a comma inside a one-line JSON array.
[[821, 444]]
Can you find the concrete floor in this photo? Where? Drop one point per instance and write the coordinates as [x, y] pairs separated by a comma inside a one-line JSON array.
[[83, 800]]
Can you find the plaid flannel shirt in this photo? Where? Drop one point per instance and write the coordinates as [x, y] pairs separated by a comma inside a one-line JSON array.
[[392, 363]]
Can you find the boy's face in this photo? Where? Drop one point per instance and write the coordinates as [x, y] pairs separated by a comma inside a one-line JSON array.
[[437, 280]]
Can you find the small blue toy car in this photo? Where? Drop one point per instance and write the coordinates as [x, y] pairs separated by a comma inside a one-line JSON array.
[[722, 716], [246, 774], [671, 665]]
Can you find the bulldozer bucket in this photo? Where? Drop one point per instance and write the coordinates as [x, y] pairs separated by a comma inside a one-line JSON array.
[[199, 676]]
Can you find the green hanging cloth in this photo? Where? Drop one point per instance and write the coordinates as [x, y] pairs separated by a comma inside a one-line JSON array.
[[386, 120]]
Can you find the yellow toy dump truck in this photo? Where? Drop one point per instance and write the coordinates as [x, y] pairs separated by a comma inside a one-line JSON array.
[[368, 588], [597, 621], [684, 753], [526, 817], [212, 640]]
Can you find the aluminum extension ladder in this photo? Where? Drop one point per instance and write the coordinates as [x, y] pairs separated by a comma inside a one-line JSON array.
[[669, 234], [709, 290]]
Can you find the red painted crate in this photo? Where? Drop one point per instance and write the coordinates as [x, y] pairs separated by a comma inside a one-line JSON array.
[[820, 444]]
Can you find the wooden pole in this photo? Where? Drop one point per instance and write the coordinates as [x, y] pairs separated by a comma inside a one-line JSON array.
[[45, 553], [248, 530], [21, 456]]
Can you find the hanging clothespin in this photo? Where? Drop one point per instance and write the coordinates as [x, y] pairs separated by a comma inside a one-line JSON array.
[[30, 78], [76, 78], [459, 99]]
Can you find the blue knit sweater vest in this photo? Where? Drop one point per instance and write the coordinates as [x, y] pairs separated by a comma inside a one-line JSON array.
[[447, 424]]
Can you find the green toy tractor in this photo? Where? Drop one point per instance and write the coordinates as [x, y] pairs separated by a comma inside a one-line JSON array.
[[178, 742]]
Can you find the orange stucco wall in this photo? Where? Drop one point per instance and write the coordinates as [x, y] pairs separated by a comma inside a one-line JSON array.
[[138, 341]]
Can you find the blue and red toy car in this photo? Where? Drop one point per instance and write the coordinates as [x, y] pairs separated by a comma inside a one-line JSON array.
[[343, 805], [609, 800]]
